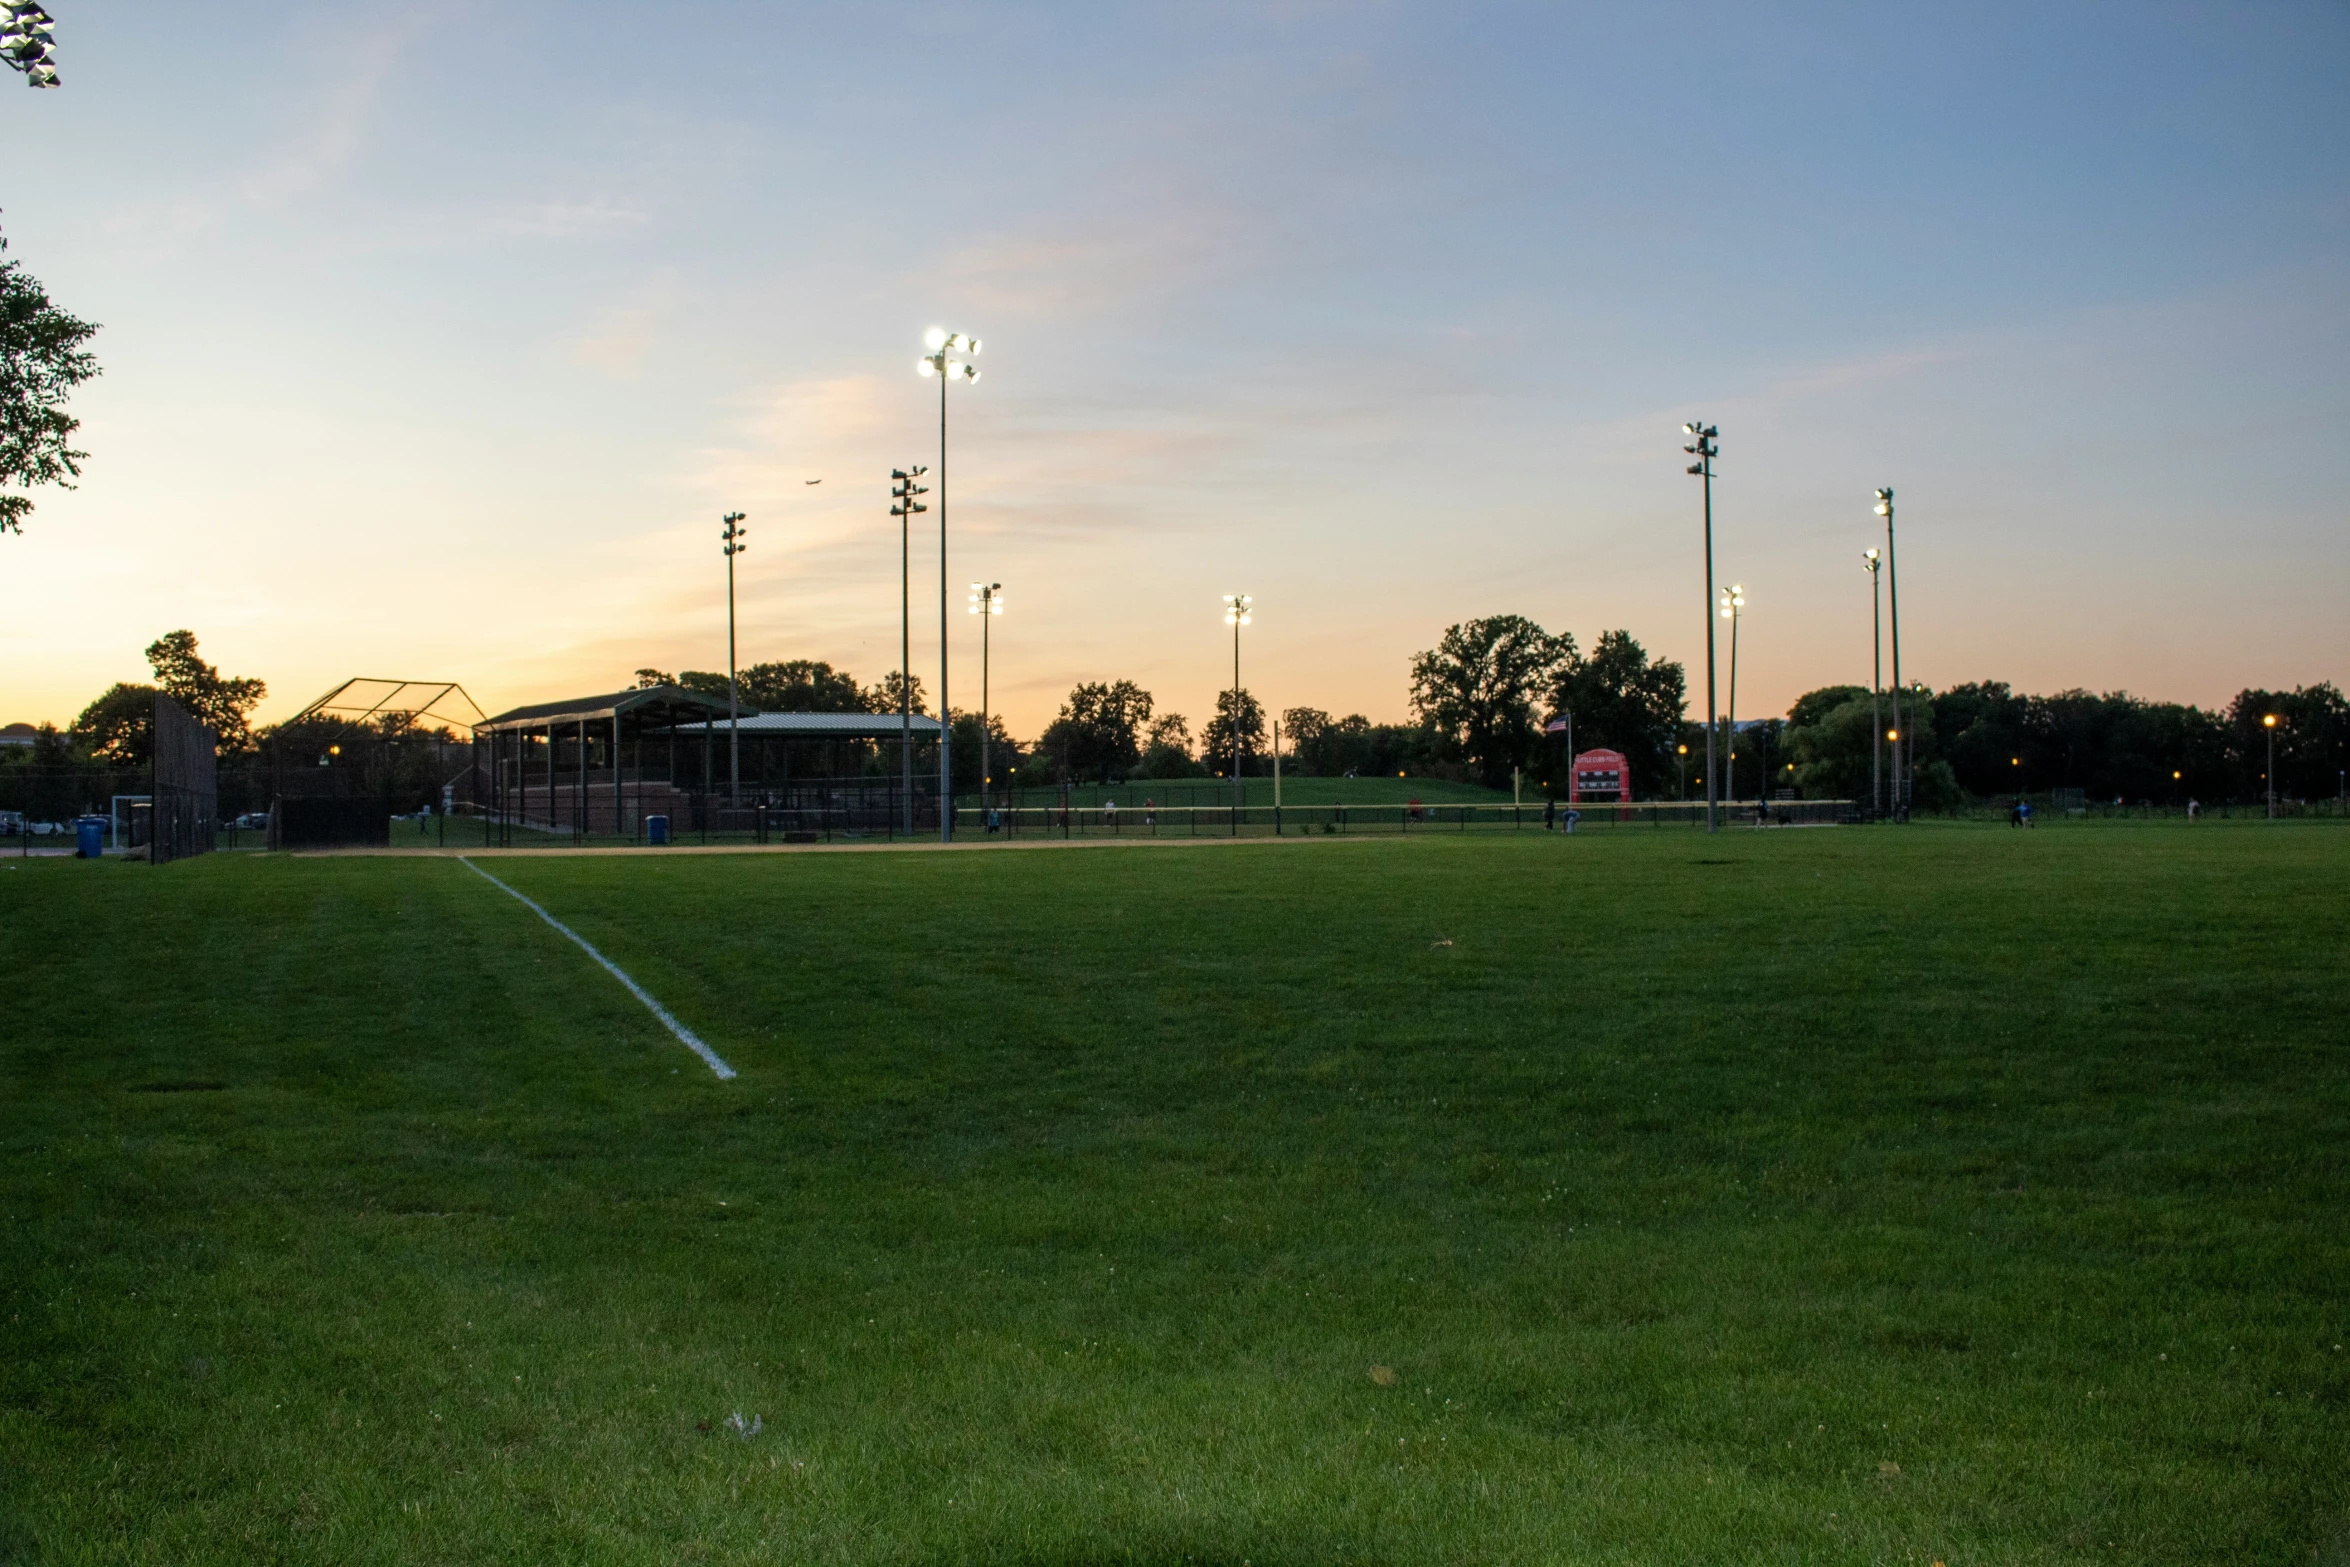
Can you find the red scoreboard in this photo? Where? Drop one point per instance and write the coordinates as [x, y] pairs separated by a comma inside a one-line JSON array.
[[1600, 775]]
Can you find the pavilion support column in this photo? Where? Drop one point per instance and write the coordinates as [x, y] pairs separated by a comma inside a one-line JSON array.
[[616, 824]]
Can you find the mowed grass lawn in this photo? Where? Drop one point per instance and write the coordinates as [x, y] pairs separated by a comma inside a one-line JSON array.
[[1942, 1194]]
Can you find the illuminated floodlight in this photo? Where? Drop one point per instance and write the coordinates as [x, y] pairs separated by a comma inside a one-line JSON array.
[[26, 32]]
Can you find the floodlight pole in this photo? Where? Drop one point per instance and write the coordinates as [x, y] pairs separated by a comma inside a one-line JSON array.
[[987, 602], [984, 759], [1876, 684], [906, 656], [733, 533], [941, 344], [1732, 602], [904, 487], [1239, 799], [1237, 613], [945, 715], [1902, 742], [2268, 721], [1705, 450]]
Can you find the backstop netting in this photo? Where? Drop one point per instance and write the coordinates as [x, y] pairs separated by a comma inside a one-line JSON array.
[[187, 784]]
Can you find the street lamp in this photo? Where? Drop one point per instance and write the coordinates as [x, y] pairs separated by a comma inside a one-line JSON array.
[[1732, 601], [987, 602], [733, 533], [1684, 763], [941, 363], [25, 33], [1704, 448], [1236, 615], [1876, 682], [2268, 721], [903, 489], [1893, 591]]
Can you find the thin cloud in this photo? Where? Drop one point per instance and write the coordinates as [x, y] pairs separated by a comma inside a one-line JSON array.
[[621, 337], [319, 152], [1108, 264], [324, 150], [569, 219]]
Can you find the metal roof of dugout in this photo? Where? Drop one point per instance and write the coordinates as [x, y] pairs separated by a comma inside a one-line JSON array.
[[814, 726], [663, 706]]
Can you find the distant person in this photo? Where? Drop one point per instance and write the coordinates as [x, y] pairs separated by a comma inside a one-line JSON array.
[[2015, 814], [1110, 814], [2024, 809], [2194, 809], [1414, 809], [1550, 815], [1150, 812], [424, 822], [1573, 816]]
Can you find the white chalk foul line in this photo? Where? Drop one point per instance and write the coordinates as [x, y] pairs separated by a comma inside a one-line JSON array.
[[692, 1040]]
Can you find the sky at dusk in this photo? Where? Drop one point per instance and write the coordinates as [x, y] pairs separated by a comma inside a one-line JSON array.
[[437, 338]]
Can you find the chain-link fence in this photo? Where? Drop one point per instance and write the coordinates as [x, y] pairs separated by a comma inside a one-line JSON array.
[[1261, 821], [186, 807]]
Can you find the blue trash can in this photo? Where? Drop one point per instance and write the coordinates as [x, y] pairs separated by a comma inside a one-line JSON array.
[[656, 829], [89, 837]]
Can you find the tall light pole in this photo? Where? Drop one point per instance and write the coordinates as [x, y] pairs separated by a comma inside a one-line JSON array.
[[940, 362], [1901, 741], [987, 602], [1236, 615], [1876, 683], [1732, 601], [1919, 712], [2268, 721], [25, 33], [1705, 449], [903, 489], [732, 533]]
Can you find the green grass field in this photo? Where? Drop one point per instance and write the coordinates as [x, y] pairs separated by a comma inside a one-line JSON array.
[[1941, 1194]]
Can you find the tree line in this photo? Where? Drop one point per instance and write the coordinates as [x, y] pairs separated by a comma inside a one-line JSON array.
[[1983, 739], [1491, 700], [1481, 703]]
